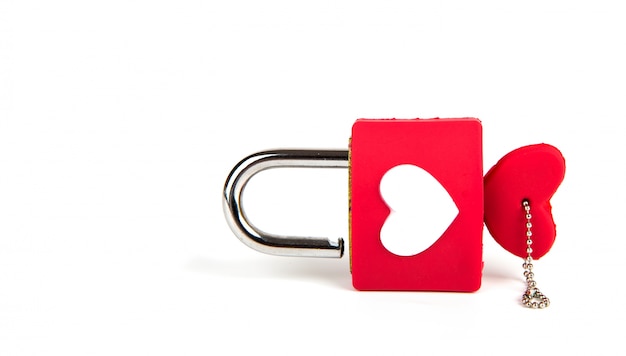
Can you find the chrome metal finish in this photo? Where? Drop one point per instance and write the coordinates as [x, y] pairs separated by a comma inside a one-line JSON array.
[[532, 298], [267, 242]]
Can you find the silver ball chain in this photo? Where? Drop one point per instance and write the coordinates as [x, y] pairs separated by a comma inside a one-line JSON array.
[[532, 298]]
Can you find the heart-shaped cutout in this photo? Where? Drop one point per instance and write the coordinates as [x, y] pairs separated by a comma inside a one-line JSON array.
[[421, 210], [533, 173]]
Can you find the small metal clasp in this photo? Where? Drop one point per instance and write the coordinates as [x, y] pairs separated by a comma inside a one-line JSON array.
[[271, 243]]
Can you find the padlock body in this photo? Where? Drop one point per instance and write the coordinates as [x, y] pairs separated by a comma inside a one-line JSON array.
[[449, 151]]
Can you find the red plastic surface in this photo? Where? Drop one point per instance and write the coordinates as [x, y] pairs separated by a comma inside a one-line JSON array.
[[451, 151], [531, 172]]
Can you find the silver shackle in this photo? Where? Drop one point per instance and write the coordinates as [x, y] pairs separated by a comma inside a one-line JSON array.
[[269, 243]]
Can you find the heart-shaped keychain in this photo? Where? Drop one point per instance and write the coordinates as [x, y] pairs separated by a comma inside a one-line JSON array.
[[523, 179]]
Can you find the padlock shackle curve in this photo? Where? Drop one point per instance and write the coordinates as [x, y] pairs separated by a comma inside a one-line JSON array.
[[271, 243]]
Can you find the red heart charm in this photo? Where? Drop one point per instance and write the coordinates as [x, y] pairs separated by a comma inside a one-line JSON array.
[[530, 173]]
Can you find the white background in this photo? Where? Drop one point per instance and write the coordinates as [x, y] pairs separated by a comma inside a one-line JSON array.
[[119, 121]]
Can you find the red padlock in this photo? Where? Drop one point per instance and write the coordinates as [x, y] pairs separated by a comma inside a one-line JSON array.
[[442, 156], [447, 257]]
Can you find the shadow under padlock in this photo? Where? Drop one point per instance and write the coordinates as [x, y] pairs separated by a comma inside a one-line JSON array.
[[397, 241]]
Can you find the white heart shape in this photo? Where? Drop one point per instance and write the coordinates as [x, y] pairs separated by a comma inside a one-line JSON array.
[[421, 210]]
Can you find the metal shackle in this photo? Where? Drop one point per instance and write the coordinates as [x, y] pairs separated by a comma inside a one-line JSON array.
[[269, 243]]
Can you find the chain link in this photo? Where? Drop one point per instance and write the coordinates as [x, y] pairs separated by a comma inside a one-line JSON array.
[[532, 298]]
